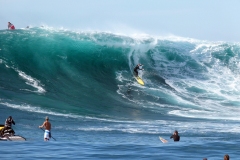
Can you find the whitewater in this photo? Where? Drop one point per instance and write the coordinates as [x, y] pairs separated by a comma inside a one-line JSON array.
[[84, 82]]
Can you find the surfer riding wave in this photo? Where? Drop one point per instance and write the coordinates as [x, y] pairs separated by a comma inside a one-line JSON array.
[[137, 68]]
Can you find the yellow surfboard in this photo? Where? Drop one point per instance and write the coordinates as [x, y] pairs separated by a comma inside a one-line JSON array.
[[139, 80], [1, 126]]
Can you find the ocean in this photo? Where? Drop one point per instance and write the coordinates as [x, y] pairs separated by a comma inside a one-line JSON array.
[[84, 82]]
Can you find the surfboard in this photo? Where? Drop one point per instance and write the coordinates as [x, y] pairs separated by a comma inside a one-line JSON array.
[[139, 80], [163, 140]]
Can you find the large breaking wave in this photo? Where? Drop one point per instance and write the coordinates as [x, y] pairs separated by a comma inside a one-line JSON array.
[[90, 74]]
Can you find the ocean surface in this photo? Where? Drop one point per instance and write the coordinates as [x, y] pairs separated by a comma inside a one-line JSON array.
[[83, 81]]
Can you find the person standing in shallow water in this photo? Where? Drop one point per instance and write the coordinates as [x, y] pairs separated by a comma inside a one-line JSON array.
[[175, 136], [47, 125]]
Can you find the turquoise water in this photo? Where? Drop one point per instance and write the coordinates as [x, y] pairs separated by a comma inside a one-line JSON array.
[[83, 82]]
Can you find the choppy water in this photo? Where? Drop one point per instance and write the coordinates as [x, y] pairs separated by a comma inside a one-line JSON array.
[[83, 81]]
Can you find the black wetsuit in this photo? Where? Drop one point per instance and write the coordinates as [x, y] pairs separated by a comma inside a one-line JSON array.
[[136, 69], [175, 137]]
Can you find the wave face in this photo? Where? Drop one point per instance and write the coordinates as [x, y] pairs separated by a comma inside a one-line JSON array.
[[89, 74]]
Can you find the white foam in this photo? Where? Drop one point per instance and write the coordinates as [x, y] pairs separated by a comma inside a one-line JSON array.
[[29, 108], [120, 77], [32, 82], [140, 127], [29, 80], [163, 127], [34, 109], [126, 129]]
